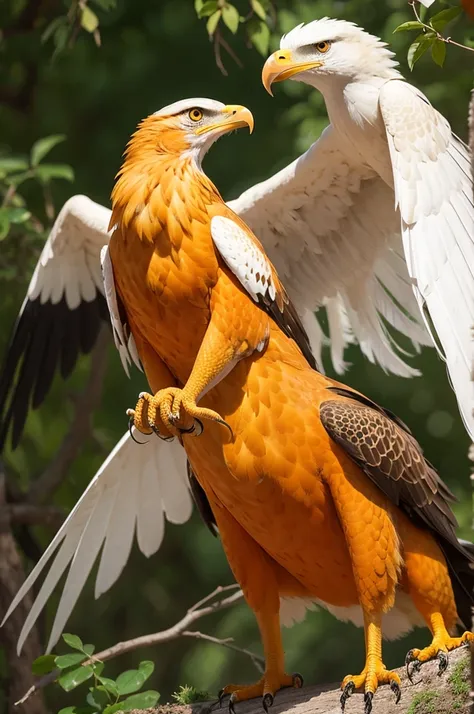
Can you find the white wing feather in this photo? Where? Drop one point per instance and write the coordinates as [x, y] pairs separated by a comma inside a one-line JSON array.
[[243, 256], [329, 228], [125, 344], [433, 188], [132, 492], [74, 244]]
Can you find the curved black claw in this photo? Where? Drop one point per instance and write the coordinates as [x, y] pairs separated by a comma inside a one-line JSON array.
[[298, 680], [231, 704], [347, 692], [443, 661], [368, 696], [267, 702], [201, 427], [130, 424], [224, 423], [415, 665], [395, 687], [188, 431], [220, 697], [158, 433]]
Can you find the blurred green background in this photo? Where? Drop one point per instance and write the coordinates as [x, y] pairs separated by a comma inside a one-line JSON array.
[[154, 53]]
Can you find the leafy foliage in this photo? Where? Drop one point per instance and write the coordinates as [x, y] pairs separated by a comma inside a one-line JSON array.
[[189, 695], [106, 695]]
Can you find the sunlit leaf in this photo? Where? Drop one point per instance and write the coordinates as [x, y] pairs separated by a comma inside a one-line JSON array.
[[412, 25], [69, 660], [208, 8], [89, 20], [418, 48], [230, 17], [133, 679], [212, 23], [42, 147], [44, 664], [259, 34], [71, 680], [73, 641], [438, 52], [258, 9], [198, 5], [109, 685]]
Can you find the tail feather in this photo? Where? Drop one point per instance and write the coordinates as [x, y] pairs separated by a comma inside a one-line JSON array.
[[461, 570]]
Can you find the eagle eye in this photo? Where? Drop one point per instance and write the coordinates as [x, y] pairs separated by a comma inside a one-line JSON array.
[[195, 114], [323, 46]]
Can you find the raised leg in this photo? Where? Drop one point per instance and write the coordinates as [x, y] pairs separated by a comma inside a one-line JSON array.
[[257, 575]]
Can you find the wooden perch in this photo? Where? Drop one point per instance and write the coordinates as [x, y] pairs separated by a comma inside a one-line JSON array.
[[448, 694]]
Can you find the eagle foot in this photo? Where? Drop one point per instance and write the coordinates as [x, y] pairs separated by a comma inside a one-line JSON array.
[[438, 649], [266, 688], [171, 412], [373, 674]]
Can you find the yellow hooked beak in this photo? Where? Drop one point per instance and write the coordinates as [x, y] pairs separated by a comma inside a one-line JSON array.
[[234, 116], [280, 66]]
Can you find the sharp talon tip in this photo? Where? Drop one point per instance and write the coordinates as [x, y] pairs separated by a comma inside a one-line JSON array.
[[231, 704], [368, 696], [188, 431], [201, 427], [298, 680], [395, 687], [224, 423], [347, 692], [443, 661], [267, 702]]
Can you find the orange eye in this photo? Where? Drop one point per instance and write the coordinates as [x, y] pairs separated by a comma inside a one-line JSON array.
[[323, 46], [195, 115]]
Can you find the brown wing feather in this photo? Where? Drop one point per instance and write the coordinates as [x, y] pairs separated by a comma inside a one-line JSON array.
[[393, 460]]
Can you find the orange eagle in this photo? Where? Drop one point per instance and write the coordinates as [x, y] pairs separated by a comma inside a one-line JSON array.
[[317, 493]]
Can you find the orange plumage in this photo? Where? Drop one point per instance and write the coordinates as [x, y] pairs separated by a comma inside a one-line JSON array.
[[306, 485]]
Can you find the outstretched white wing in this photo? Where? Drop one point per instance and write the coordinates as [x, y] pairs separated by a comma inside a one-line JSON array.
[[332, 233], [132, 493], [433, 188], [61, 315]]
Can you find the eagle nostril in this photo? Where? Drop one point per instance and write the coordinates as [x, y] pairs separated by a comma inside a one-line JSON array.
[[282, 57]]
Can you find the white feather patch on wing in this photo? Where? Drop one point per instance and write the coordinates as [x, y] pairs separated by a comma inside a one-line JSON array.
[[328, 226], [125, 345], [64, 267], [134, 489], [434, 192], [244, 258]]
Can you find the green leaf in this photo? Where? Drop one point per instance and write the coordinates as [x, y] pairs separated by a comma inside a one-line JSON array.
[[109, 685], [258, 9], [44, 664], [441, 19], [198, 5], [143, 700], [133, 679], [42, 147], [73, 641], [69, 660], [61, 36], [208, 8], [46, 172], [438, 52], [98, 668], [17, 179], [52, 27], [89, 20], [231, 18], [412, 25], [98, 698], [13, 163], [88, 649], [67, 710], [259, 34], [418, 48], [212, 23], [71, 680]]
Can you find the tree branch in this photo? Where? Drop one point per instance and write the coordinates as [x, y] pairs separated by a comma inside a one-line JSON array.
[[180, 629], [30, 515], [80, 429]]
